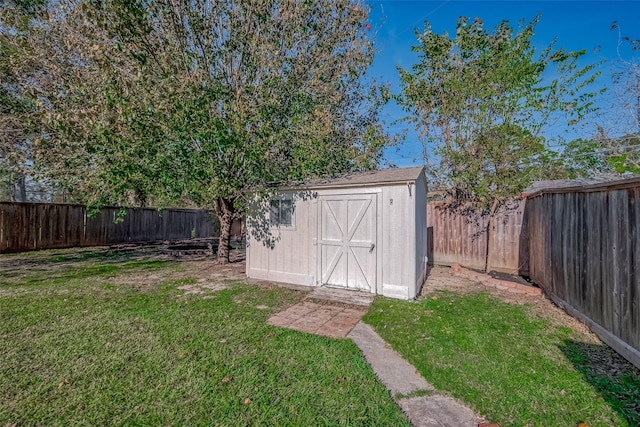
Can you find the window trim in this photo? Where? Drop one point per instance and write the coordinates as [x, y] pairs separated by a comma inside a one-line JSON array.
[[280, 198]]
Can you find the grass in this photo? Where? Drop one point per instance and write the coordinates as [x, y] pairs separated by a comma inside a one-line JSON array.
[[79, 349], [48, 279], [515, 368]]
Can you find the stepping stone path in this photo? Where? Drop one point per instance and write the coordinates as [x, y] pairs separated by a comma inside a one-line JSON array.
[[429, 409], [336, 313]]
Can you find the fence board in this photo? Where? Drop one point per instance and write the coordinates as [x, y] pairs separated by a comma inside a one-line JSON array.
[[584, 251], [581, 245], [32, 226], [460, 236], [456, 237]]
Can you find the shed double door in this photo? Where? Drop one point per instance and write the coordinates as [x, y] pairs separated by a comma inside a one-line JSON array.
[[347, 241]]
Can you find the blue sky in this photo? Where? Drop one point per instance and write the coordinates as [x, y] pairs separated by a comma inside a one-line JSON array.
[[576, 25]]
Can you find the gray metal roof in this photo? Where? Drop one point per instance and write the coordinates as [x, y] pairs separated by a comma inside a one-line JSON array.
[[368, 178]]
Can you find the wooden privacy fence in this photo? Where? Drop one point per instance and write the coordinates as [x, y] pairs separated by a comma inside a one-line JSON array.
[[580, 244], [460, 236], [584, 246], [32, 226]]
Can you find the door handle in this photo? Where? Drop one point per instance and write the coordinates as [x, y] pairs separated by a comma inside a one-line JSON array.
[[373, 245]]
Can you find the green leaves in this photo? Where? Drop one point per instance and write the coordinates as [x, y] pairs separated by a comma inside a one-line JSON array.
[[482, 103], [200, 103]]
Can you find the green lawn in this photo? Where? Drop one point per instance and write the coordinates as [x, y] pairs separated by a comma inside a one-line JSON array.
[[514, 367], [78, 348]]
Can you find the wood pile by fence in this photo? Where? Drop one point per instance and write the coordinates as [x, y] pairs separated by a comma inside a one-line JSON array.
[[584, 246], [459, 235], [33, 226]]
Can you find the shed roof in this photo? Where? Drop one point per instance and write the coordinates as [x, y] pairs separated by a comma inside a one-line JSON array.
[[367, 178]]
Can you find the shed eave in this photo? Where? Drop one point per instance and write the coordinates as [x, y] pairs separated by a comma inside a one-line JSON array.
[[339, 186], [379, 178]]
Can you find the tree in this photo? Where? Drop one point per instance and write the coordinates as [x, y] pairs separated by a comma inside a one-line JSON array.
[[13, 145], [585, 157], [614, 147], [18, 80], [482, 104], [623, 150], [206, 101]]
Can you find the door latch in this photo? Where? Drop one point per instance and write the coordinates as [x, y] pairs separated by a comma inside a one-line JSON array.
[[373, 245]]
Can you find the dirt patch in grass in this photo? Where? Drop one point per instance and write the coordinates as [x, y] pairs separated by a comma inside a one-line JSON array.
[[202, 288], [205, 273], [141, 267]]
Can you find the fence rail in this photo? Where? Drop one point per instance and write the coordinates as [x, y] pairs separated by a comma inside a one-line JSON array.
[[33, 226]]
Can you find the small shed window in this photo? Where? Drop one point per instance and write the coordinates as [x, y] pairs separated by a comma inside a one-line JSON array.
[[281, 212]]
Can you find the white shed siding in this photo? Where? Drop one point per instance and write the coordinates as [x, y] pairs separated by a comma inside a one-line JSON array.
[[399, 235], [292, 258], [420, 234]]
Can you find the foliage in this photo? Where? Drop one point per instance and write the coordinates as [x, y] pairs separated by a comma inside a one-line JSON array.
[[482, 101], [603, 154], [622, 153], [510, 362], [618, 134], [17, 103], [585, 157], [202, 102]]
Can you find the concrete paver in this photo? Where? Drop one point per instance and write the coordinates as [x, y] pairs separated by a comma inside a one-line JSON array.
[[395, 373], [342, 296], [330, 320], [437, 411]]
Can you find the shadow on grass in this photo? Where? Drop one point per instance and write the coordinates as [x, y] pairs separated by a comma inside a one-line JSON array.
[[72, 256], [613, 377], [33, 267]]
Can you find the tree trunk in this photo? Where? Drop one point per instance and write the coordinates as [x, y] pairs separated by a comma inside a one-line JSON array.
[[225, 211], [20, 188], [492, 214]]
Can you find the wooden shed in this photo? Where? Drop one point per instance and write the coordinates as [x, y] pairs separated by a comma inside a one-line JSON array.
[[364, 231]]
